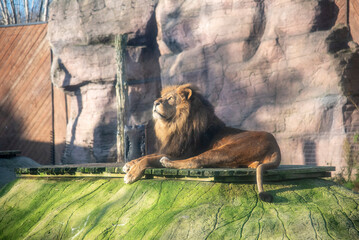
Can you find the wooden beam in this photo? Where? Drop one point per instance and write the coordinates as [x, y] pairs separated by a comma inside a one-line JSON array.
[[9, 154], [121, 94], [284, 172]]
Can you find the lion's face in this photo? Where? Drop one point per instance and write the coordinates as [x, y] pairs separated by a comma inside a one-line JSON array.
[[171, 103], [183, 121]]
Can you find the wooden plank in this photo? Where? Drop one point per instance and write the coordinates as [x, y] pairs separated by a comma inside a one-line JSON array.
[[26, 109], [342, 14], [22, 72], [33, 119], [10, 41], [38, 115], [21, 100], [9, 154], [60, 123], [273, 178], [25, 87], [10, 57], [25, 81], [353, 19], [21, 50], [23, 54], [285, 172], [31, 62]]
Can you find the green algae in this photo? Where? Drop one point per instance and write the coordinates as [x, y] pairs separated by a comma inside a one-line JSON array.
[[106, 208]]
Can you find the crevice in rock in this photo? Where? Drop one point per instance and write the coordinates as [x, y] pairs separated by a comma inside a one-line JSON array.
[[339, 43], [325, 223], [320, 212], [249, 216], [343, 212], [326, 15], [331, 188], [170, 36], [72, 89], [259, 223], [311, 222], [143, 75], [302, 200], [215, 221], [281, 221], [349, 60], [338, 39], [58, 71], [259, 24], [102, 39], [209, 189]]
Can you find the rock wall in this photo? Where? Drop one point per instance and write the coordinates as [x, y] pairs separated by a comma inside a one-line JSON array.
[[281, 66], [82, 34]]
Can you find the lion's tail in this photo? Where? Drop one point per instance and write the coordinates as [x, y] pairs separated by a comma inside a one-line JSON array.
[[274, 161]]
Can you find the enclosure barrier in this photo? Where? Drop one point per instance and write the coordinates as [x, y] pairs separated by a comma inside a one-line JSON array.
[[283, 173]]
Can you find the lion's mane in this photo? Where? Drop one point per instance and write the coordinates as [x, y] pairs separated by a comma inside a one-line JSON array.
[[191, 130]]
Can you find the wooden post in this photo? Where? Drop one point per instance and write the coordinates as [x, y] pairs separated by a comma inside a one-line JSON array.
[[121, 95], [347, 13]]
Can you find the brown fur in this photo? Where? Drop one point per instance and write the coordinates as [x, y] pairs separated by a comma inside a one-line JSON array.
[[189, 131]]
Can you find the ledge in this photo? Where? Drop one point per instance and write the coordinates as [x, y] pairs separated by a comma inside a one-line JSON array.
[[9, 153], [107, 208], [284, 172]]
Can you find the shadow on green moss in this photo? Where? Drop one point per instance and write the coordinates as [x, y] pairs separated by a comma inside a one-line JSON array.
[[287, 187], [5, 189]]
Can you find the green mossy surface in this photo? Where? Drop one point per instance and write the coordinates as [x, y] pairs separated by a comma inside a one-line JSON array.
[[87, 208]]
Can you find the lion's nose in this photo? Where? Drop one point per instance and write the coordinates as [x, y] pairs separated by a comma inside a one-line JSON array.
[[157, 102]]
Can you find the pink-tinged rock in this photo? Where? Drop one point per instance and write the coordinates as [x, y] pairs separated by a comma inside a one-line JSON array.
[[266, 65], [277, 65], [82, 37]]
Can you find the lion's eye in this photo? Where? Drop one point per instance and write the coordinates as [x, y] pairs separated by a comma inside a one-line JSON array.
[[171, 100]]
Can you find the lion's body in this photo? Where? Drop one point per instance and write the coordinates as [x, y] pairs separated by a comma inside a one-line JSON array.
[[188, 130]]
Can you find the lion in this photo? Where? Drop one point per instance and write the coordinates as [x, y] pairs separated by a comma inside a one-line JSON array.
[[190, 135]]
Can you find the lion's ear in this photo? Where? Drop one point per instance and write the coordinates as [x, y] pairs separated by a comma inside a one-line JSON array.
[[185, 93]]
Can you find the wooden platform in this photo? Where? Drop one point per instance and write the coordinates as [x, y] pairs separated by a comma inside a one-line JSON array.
[[284, 172], [9, 154]]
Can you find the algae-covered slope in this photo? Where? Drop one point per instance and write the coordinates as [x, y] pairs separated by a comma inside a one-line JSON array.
[[88, 208]]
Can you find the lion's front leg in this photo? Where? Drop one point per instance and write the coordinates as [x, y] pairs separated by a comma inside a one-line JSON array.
[[137, 167], [181, 164], [135, 173], [127, 167]]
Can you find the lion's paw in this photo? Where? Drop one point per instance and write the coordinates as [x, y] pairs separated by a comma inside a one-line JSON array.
[[135, 173], [128, 179], [131, 178], [266, 197], [254, 164], [126, 168], [166, 162]]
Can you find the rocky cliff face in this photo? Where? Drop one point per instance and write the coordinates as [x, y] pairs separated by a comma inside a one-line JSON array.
[[285, 67], [82, 39]]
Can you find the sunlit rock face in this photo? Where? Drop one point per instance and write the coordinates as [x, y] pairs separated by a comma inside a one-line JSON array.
[[281, 66], [81, 35], [272, 65]]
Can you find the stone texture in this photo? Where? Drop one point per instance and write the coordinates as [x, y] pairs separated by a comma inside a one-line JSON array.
[[281, 66], [81, 34], [266, 65]]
